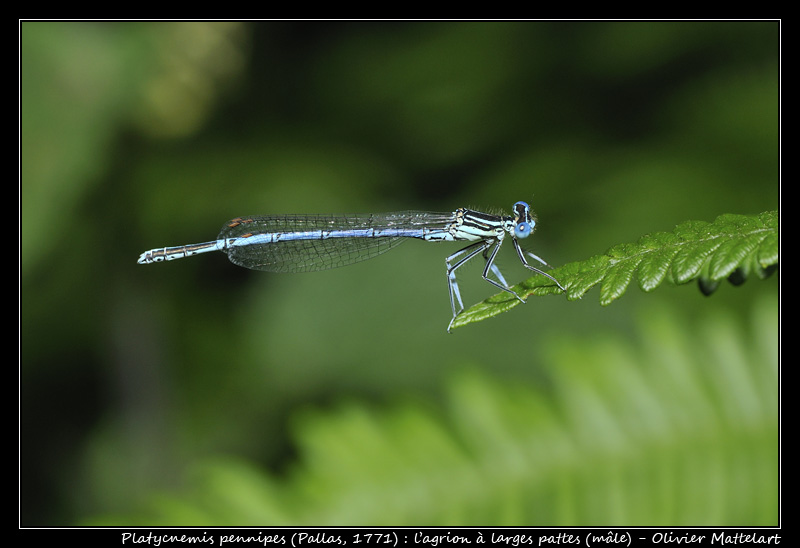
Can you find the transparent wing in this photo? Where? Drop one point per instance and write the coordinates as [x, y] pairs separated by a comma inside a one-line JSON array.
[[327, 241]]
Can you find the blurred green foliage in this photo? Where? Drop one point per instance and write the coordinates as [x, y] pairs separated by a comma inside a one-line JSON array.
[[678, 429], [154, 394]]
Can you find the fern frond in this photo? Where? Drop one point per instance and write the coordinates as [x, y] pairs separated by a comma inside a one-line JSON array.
[[658, 433], [732, 247]]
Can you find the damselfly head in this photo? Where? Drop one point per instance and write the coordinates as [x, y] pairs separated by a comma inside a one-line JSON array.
[[523, 222]]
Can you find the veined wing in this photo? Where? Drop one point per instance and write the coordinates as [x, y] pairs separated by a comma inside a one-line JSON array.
[[304, 243]]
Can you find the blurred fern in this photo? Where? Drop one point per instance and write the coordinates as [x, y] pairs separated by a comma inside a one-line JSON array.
[[679, 430], [733, 247]]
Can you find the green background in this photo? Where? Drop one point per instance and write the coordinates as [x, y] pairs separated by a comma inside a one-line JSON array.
[[197, 392]]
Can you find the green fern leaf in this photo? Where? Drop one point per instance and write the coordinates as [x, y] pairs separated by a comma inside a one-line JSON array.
[[733, 247], [657, 433]]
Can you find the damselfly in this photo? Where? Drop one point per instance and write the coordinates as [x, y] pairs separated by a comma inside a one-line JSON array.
[[304, 243]]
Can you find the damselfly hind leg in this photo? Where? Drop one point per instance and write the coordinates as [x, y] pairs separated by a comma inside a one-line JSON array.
[[452, 284], [468, 253]]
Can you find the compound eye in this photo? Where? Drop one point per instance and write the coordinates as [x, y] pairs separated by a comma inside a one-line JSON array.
[[522, 230]]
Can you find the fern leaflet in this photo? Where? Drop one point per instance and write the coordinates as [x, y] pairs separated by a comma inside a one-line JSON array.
[[732, 247]]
